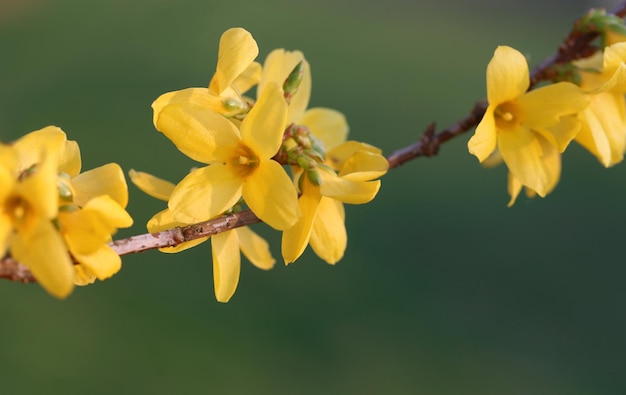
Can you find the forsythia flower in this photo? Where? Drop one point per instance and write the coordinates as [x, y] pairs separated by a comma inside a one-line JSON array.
[[603, 123], [326, 124], [225, 245], [530, 129], [236, 73], [240, 161], [322, 222], [48, 209]]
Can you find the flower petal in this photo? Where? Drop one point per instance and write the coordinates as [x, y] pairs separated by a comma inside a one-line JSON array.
[[200, 97], [255, 248], [154, 186], [543, 107], [237, 50], [364, 166], [103, 262], [527, 159], [165, 220], [337, 156], [248, 78], [329, 126], [514, 187], [296, 238], [507, 75], [263, 128], [328, 236], [205, 193], [561, 134], [201, 134], [483, 142], [45, 255], [348, 191], [29, 147], [271, 195], [226, 264], [104, 180]]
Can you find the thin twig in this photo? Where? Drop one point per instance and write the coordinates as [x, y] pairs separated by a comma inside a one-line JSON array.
[[575, 46]]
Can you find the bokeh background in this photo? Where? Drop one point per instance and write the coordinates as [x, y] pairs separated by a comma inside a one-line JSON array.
[[443, 289]]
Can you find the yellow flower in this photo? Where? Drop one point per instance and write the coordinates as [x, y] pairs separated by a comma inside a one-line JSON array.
[[236, 73], [326, 124], [322, 222], [239, 162], [603, 123], [530, 129], [225, 245], [49, 208]]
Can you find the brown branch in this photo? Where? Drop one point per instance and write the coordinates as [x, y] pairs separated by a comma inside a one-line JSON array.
[[575, 46]]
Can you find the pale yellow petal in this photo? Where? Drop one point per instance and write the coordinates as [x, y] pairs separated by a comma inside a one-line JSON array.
[[483, 142], [561, 134], [200, 97], [104, 180], [507, 75], [205, 193], [226, 264], [153, 186], [255, 248], [249, 78], [329, 126], [592, 137], [271, 195], [69, 160], [201, 134], [83, 276], [349, 191], [263, 128], [237, 50], [543, 107], [40, 189], [44, 253], [328, 236], [296, 238]]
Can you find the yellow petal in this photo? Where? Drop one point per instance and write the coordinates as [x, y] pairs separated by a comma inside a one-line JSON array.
[[40, 189], [45, 255], [226, 264], [337, 156], [103, 262], [271, 196], [201, 134], [507, 75], [276, 68], [348, 191], [329, 126], [165, 220], [263, 128], [526, 154], [255, 248], [237, 50], [83, 276], [205, 193], [199, 97], [249, 78], [364, 166], [296, 238], [543, 107], [514, 187], [483, 142], [104, 180], [30, 147], [328, 236], [153, 186], [562, 133]]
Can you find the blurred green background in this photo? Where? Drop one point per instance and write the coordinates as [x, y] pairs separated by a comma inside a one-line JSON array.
[[443, 289]]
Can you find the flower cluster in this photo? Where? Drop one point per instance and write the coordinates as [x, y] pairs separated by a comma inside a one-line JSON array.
[[289, 164], [529, 130], [55, 220]]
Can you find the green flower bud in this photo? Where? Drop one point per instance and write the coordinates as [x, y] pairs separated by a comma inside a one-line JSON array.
[[292, 83]]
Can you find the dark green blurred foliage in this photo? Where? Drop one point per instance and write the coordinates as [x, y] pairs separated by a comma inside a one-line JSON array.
[[443, 290]]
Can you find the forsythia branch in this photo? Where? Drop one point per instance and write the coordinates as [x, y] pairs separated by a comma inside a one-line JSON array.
[[575, 46]]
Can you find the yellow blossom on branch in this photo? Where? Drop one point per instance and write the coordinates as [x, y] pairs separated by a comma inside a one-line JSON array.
[[56, 221], [225, 245], [240, 161], [530, 129]]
